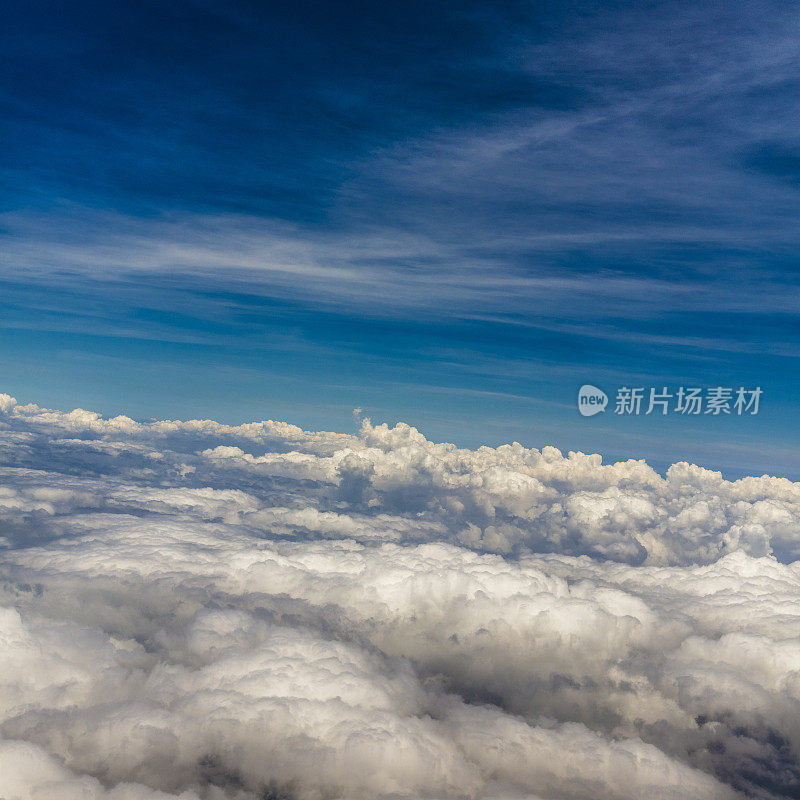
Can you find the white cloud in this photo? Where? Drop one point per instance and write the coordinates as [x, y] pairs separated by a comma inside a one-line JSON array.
[[210, 611]]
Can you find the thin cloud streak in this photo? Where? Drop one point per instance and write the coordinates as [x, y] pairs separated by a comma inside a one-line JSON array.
[[381, 275]]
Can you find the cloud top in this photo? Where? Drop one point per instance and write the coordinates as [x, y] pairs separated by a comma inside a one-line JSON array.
[[202, 611]]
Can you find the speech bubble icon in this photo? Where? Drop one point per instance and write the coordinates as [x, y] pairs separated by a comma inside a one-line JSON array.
[[591, 400]]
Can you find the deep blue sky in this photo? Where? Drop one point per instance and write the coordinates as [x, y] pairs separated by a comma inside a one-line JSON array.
[[451, 214]]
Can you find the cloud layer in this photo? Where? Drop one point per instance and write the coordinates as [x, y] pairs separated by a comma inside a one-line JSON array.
[[196, 610]]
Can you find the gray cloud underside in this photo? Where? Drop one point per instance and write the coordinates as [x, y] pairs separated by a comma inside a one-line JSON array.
[[196, 610]]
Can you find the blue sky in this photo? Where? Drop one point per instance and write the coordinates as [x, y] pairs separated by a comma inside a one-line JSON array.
[[450, 214]]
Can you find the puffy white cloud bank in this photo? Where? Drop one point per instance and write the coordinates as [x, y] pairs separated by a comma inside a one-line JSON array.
[[198, 611]]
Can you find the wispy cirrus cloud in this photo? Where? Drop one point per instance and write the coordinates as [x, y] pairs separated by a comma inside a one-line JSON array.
[[382, 272]]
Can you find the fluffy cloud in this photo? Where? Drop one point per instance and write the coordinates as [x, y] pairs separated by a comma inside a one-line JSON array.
[[195, 610]]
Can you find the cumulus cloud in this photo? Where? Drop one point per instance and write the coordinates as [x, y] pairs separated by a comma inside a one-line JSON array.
[[201, 611]]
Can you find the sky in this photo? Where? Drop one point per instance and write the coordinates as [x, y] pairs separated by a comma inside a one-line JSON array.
[[448, 214]]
